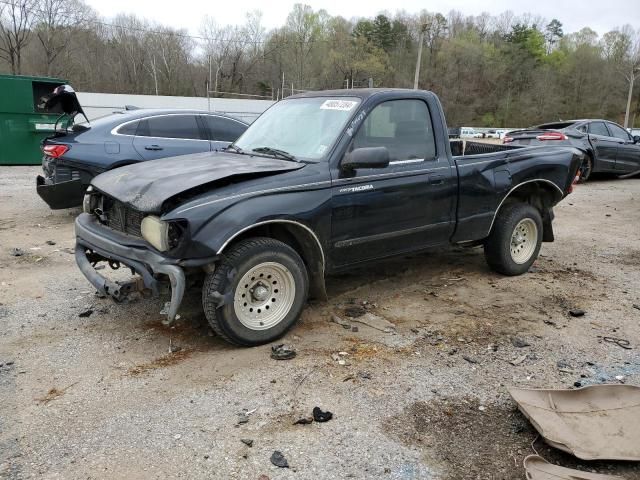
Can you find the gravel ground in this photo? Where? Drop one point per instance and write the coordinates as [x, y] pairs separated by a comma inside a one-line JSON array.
[[102, 396]]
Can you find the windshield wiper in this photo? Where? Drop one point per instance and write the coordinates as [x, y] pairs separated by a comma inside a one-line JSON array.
[[276, 153], [233, 146]]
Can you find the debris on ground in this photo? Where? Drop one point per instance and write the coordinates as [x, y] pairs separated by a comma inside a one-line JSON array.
[[519, 342], [599, 422], [538, 468], [278, 459], [303, 421], [242, 418], [320, 416], [470, 359], [340, 321], [247, 441], [53, 393], [376, 322], [282, 352], [517, 361], [621, 342], [86, 313], [174, 348], [576, 312], [636, 306], [50, 242], [17, 252], [354, 311]]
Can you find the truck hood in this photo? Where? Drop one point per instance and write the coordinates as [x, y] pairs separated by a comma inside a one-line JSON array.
[[146, 186]]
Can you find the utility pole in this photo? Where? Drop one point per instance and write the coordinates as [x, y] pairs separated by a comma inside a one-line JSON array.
[[421, 41], [631, 79]]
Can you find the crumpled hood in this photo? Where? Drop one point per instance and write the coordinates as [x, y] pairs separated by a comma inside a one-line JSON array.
[[146, 185]]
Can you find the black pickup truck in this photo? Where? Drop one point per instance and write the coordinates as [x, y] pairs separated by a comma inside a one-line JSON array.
[[321, 182]]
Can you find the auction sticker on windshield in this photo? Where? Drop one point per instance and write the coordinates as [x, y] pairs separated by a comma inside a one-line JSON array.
[[344, 105]]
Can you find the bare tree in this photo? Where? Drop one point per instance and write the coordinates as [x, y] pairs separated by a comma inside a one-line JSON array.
[[55, 23], [16, 19]]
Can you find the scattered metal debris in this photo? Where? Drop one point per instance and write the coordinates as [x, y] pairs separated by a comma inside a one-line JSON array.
[[17, 252], [621, 342], [247, 441], [282, 352], [242, 418], [279, 460], [598, 422], [576, 312], [320, 416], [86, 313], [303, 421], [50, 242], [539, 469], [376, 322]]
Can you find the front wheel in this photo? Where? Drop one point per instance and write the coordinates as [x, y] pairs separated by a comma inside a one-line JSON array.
[[256, 293], [514, 242]]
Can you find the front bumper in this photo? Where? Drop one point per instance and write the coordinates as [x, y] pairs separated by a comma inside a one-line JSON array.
[[95, 243], [60, 195]]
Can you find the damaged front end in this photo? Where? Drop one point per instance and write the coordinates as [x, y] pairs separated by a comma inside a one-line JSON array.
[[111, 232]]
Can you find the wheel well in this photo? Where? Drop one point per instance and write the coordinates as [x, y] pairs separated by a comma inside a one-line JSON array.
[[542, 196], [302, 240]]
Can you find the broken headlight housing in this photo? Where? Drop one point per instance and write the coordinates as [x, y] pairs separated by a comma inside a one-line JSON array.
[[90, 200], [162, 235]]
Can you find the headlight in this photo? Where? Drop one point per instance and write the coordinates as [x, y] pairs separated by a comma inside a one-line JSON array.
[[156, 232]]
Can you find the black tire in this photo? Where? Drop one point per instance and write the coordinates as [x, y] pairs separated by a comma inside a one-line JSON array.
[[497, 247], [221, 285], [586, 169]]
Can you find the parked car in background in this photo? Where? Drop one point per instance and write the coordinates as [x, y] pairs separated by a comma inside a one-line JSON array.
[[73, 156], [466, 132], [321, 182], [609, 147]]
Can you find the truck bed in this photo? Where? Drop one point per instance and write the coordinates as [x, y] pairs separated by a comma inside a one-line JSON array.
[[488, 172]]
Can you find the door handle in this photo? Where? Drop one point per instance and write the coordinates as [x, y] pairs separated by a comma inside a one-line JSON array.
[[153, 147], [436, 179]]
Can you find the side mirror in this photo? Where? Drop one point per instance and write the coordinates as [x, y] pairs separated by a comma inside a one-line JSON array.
[[366, 157], [636, 139]]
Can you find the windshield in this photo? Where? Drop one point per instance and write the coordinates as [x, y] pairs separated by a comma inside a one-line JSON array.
[[303, 127]]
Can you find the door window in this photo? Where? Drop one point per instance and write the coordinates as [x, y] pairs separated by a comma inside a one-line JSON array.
[[619, 132], [223, 129], [170, 126], [598, 128], [403, 126]]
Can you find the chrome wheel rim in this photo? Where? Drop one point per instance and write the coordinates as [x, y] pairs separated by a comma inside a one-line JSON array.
[[524, 240], [264, 295]]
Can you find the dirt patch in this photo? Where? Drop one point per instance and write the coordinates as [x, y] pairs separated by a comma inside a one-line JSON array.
[[465, 441], [161, 362], [470, 440], [54, 393]]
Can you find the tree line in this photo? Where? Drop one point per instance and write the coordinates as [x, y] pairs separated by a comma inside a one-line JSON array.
[[489, 70]]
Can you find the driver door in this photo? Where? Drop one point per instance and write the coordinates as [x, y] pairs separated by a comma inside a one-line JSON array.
[[408, 205]]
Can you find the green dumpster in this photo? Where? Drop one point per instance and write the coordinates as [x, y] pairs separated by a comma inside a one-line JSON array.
[[24, 124]]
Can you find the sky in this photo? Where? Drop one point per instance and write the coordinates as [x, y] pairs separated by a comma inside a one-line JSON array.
[[601, 16]]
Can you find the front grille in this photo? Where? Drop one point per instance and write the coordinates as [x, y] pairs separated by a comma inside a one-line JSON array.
[[122, 218]]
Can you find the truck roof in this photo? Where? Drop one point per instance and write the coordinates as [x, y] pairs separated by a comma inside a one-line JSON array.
[[352, 92]]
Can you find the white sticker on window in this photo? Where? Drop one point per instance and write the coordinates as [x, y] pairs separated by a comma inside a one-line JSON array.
[[344, 105]]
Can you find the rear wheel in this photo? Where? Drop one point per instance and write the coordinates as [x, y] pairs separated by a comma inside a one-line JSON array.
[[514, 242], [586, 169], [256, 293]]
